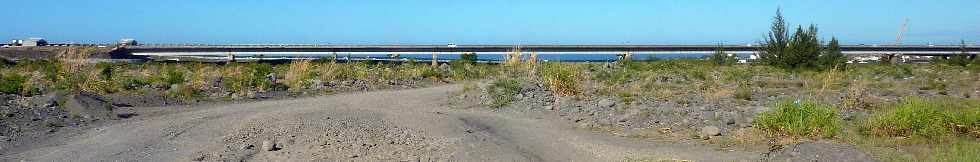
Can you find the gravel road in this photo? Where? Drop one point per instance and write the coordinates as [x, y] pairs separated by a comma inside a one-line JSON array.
[[405, 125]]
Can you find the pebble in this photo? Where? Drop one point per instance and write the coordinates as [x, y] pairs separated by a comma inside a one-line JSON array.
[[606, 103], [268, 146]]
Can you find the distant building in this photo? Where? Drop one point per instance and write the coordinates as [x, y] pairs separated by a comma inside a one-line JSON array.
[[31, 42], [128, 42]]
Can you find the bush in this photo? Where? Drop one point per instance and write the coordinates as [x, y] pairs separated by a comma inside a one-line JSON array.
[[298, 75], [927, 118], [562, 79], [468, 58], [174, 76], [799, 118], [722, 58], [502, 92], [743, 92], [12, 83]]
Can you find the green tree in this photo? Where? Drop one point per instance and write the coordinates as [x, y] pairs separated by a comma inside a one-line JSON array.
[[775, 45], [960, 59], [802, 50], [832, 56], [467, 58], [722, 58]]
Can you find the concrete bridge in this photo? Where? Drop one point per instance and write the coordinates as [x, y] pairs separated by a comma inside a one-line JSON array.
[[307, 51]]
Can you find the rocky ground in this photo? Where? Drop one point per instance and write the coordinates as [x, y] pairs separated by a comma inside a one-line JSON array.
[[722, 125], [405, 125], [26, 120]]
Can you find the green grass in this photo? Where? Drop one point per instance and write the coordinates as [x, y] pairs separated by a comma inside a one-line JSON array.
[[799, 119], [960, 151], [12, 83], [563, 79], [502, 92], [927, 118]]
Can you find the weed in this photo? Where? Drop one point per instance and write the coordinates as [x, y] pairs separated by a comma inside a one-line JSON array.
[[12, 83], [562, 79], [298, 75], [502, 92], [743, 92], [799, 118]]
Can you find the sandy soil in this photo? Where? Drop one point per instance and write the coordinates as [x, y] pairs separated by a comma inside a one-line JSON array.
[[405, 125]]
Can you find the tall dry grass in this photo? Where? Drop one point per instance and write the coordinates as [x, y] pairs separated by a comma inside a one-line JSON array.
[[298, 74], [514, 57]]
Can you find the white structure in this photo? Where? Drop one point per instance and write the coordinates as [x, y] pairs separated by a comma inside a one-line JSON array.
[[128, 42], [31, 42]]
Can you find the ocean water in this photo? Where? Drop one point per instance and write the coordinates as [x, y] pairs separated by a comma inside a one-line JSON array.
[[499, 57]]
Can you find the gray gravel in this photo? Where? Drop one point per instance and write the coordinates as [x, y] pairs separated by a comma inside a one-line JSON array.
[[407, 125]]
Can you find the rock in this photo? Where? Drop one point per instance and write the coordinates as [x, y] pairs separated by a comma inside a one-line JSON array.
[[445, 67], [48, 100], [709, 131], [89, 105], [268, 145], [586, 125], [606, 103], [246, 146]]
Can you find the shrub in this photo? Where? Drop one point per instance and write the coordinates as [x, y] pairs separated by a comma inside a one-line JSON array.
[[743, 92], [297, 75], [799, 118], [468, 58], [562, 79], [469, 71], [927, 118], [722, 58], [173, 76], [430, 72], [502, 92], [12, 83]]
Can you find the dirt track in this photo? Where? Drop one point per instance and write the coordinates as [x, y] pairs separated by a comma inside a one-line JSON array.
[[408, 125]]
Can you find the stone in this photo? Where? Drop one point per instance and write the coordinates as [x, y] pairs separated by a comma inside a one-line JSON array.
[[268, 145], [709, 131], [606, 103]]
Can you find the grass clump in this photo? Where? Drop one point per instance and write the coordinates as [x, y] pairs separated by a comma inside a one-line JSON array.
[[12, 83], [799, 118], [562, 79], [298, 75], [502, 92], [927, 118]]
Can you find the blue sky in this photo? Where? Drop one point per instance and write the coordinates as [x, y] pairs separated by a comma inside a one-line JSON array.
[[483, 22]]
